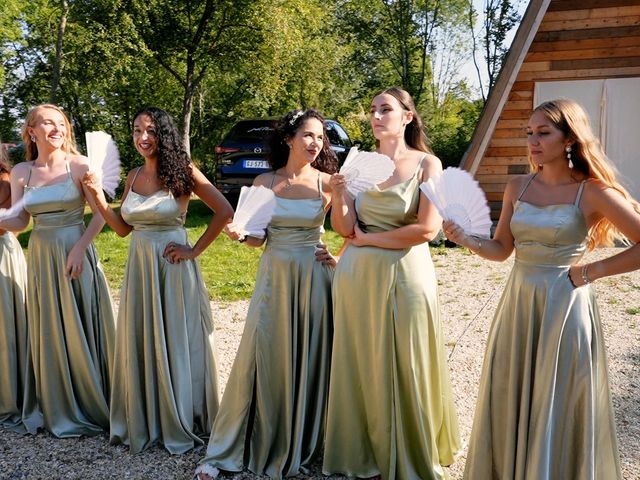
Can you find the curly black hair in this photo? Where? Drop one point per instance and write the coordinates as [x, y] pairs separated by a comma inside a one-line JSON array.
[[286, 128], [174, 163]]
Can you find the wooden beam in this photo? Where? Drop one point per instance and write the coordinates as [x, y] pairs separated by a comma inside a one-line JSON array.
[[586, 34], [505, 160], [595, 63], [631, 20], [593, 13], [580, 74], [558, 54], [560, 5]]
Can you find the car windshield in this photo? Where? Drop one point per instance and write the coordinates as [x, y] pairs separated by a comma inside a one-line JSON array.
[[250, 132]]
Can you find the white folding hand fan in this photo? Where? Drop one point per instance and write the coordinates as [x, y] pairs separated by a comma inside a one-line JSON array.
[[363, 170], [254, 211], [459, 198], [13, 211], [104, 160]]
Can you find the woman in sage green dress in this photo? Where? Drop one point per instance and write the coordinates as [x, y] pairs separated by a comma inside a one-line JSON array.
[[391, 411], [271, 419], [544, 407], [70, 317], [165, 380], [15, 356]]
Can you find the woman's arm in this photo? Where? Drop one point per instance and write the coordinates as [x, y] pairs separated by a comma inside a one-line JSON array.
[[98, 202], [600, 201], [18, 181], [75, 258], [223, 212], [501, 246], [343, 213]]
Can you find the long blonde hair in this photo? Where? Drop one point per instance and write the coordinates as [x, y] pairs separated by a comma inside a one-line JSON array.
[[31, 150], [588, 158]]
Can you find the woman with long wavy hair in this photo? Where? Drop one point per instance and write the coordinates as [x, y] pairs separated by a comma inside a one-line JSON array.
[[165, 379], [544, 407], [15, 356], [71, 323], [391, 411], [271, 419]]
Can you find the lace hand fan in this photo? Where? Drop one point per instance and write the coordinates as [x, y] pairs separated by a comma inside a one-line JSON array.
[[104, 159], [363, 170], [459, 198], [254, 211]]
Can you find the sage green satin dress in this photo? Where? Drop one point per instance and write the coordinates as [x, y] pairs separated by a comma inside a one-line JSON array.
[[165, 388], [16, 370], [272, 415], [544, 407], [391, 410], [71, 322]]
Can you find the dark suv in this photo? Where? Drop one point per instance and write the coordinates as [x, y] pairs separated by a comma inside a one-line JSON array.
[[241, 156]]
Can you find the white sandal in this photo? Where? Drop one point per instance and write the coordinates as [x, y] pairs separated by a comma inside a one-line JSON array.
[[209, 470]]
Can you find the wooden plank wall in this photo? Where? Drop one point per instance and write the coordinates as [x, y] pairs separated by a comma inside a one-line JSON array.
[[577, 39]]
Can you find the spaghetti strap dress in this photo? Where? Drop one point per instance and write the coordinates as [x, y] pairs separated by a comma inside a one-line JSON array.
[[544, 406], [71, 321], [272, 415], [165, 387], [391, 410], [16, 369]]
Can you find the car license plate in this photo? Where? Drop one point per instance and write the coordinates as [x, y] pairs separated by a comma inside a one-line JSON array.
[[256, 164]]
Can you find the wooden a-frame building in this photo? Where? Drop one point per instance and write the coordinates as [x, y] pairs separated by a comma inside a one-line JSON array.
[[583, 49]]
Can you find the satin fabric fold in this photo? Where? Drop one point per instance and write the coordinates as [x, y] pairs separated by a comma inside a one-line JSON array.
[[391, 410], [272, 415], [165, 388], [71, 323], [544, 409], [16, 370]]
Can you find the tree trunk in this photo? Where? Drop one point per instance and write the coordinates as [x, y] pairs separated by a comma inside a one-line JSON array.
[[55, 79], [187, 109]]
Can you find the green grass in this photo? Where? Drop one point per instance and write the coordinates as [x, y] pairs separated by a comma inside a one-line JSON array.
[[228, 268]]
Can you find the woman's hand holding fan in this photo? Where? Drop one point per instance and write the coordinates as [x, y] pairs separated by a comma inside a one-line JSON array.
[[363, 170], [459, 199], [104, 160], [256, 206]]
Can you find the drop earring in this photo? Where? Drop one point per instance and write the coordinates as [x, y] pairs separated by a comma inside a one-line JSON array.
[[568, 150], [33, 139]]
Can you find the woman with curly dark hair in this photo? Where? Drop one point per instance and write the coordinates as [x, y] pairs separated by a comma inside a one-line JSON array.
[[14, 339], [271, 418], [165, 381]]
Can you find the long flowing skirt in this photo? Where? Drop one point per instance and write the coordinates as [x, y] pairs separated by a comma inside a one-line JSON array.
[[71, 329], [391, 409], [165, 378], [16, 370], [272, 415], [544, 407]]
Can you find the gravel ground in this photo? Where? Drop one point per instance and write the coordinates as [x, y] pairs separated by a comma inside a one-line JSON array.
[[469, 291]]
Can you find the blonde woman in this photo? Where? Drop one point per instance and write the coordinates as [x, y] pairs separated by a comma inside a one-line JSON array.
[[71, 324], [16, 372], [544, 408]]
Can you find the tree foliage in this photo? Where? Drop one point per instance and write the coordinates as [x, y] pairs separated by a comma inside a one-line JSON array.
[[213, 62]]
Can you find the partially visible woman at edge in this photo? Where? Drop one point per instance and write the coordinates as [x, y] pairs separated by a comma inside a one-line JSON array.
[[16, 373], [165, 379], [71, 324], [544, 406], [271, 419], [391, 412]]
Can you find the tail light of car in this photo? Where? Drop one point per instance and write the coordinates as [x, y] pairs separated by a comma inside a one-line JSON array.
[[220, 150]]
